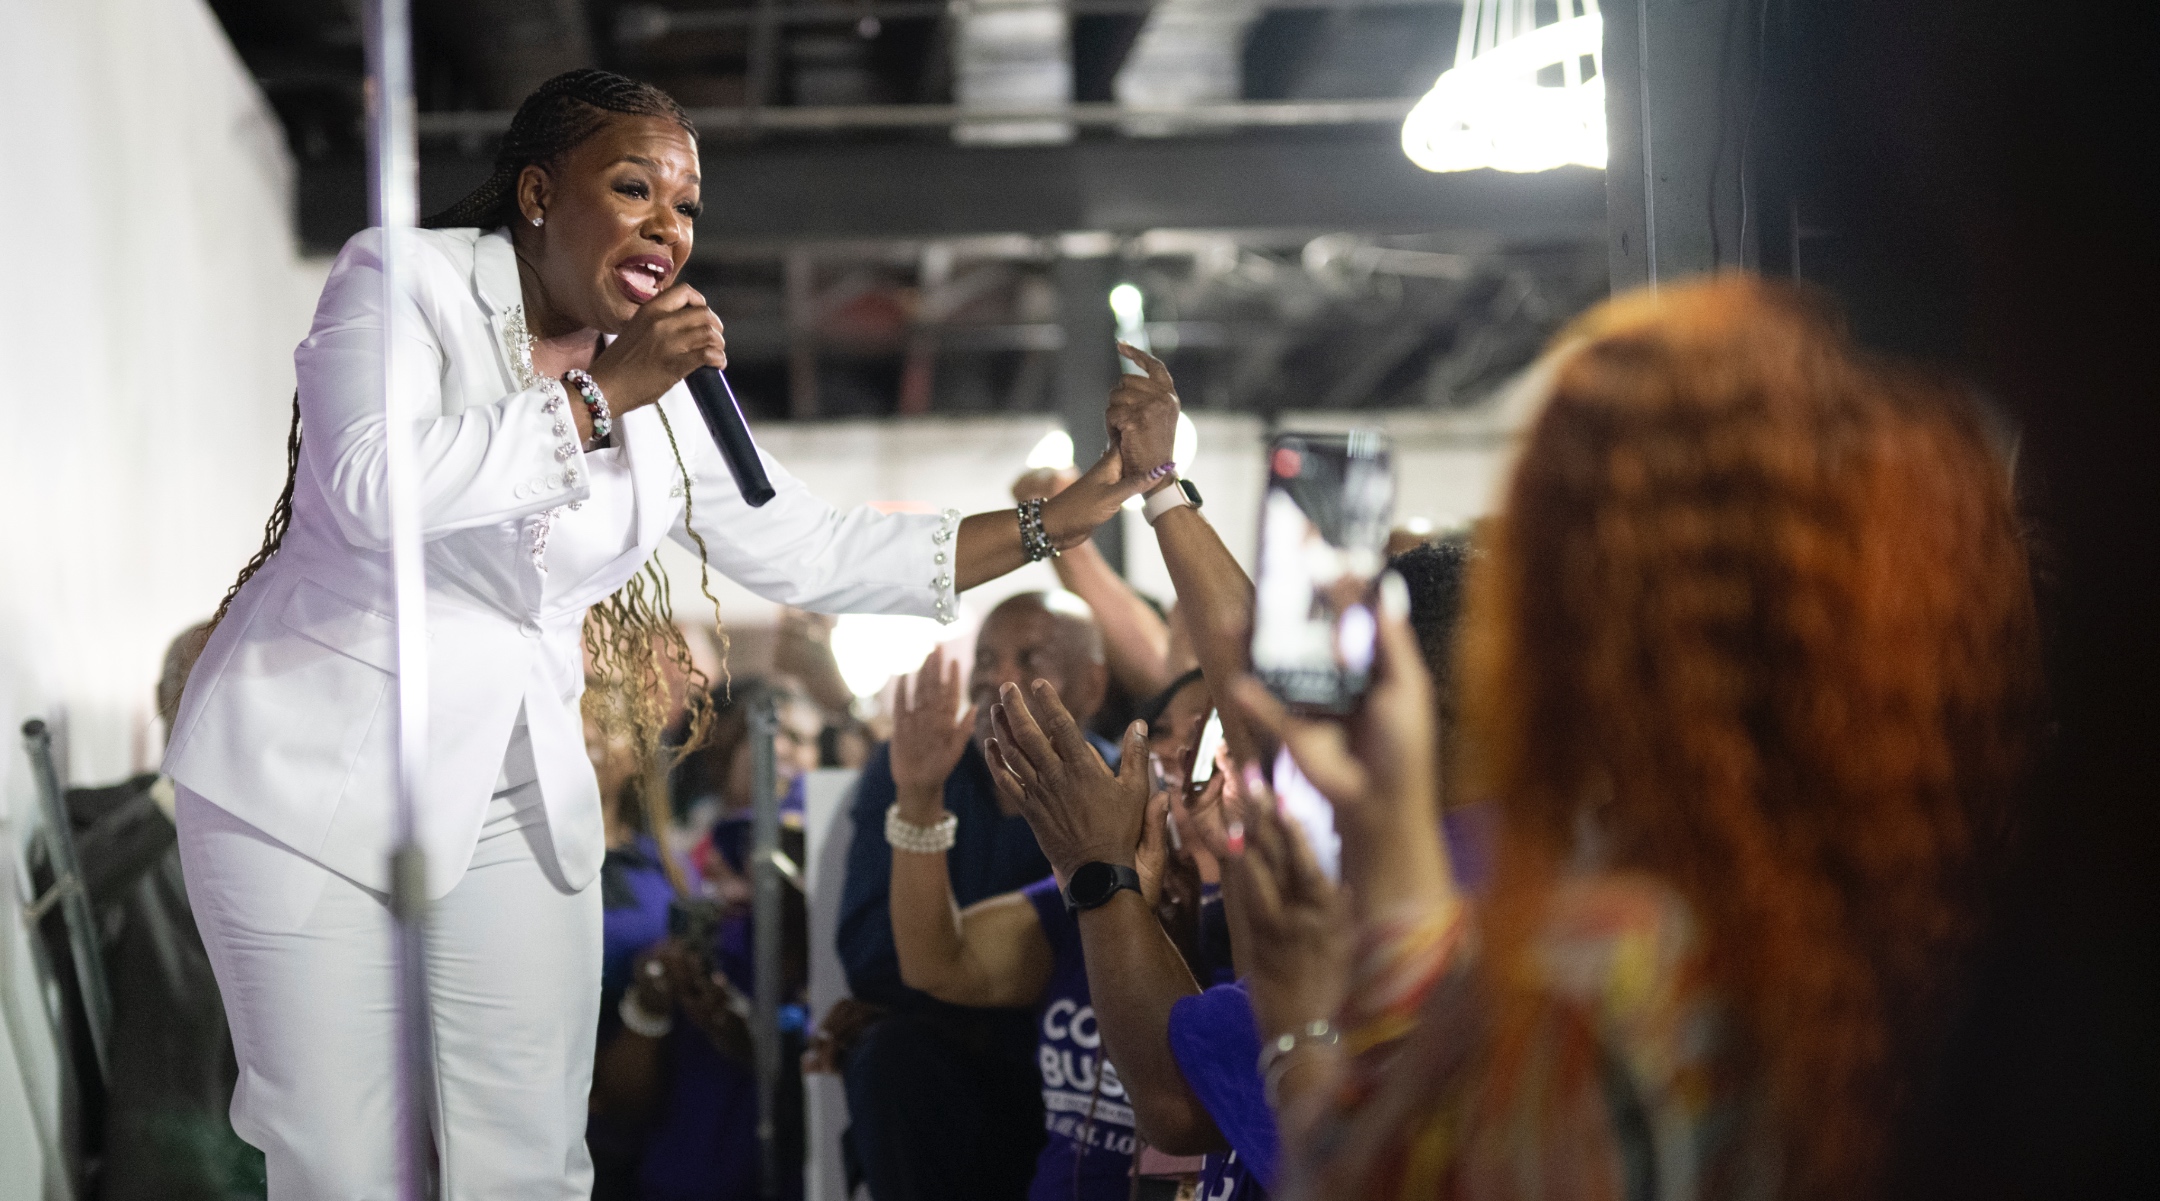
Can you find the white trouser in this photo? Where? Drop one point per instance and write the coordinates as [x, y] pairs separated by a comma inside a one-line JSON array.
[[304, 959]]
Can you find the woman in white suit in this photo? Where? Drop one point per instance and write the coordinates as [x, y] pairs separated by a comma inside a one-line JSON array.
[[545, 339]]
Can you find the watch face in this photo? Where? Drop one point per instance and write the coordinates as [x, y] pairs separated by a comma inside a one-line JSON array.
[[1191, 491], [1092, 884]]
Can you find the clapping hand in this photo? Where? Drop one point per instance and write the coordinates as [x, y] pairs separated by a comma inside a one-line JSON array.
[[1043, 764], [930, 732]]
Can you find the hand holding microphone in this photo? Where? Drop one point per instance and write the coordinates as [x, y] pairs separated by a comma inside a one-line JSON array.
[[672, 335], [675, 336]]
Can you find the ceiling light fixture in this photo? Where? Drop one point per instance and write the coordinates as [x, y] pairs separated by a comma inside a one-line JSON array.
[[1520, 97]]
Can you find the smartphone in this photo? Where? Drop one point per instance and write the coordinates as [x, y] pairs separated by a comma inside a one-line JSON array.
[[1203, 764], [1323, 541]]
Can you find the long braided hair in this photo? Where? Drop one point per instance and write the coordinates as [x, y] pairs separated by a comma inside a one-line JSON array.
[[638, 657]]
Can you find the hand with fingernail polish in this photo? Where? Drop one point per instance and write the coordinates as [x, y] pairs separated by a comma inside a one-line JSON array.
[[1142, 421]]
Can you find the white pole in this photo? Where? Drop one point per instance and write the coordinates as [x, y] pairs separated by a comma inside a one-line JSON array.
[[392, 205]]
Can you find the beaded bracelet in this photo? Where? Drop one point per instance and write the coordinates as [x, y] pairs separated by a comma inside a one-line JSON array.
[[603, 423], [1034, 540]]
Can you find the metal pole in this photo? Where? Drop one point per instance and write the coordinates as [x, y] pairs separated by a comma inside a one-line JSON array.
[[766, 926], [83, 941], [393, 203]]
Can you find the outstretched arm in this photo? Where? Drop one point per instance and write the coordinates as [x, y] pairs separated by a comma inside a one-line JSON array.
[[1135, 637], [1142, 426], [994, 953], [1215, 597]]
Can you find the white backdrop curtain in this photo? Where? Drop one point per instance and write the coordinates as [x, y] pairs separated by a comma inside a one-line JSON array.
[[150, 298]]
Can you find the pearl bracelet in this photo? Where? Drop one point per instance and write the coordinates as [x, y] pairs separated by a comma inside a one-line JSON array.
[[934, 839]]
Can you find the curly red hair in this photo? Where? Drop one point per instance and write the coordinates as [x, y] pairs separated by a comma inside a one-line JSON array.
[[1760, 608]]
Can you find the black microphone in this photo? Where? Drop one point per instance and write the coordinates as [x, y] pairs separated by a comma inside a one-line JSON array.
[[723, 417]]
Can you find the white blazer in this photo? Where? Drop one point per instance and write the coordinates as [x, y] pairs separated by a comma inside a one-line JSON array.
[[288, 718]]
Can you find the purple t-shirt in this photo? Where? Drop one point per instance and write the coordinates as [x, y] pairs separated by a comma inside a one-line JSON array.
[[1088, 1156], [1217, 1044]]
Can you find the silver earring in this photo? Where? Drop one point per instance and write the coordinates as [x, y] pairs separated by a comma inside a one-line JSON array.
[[536, 220]]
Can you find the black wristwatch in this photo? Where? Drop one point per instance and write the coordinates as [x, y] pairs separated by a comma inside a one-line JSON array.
[[1093, 884]]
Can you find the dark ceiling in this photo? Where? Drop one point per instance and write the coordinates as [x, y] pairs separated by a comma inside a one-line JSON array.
[[875, 250]]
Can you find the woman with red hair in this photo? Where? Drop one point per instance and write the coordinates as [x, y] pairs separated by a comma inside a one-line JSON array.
[[1748, 668]]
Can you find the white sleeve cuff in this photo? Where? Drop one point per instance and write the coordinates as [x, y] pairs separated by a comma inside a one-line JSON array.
[[945, 552], [569, 459]]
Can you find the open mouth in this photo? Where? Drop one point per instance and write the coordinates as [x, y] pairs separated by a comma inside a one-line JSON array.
[[641, 277]]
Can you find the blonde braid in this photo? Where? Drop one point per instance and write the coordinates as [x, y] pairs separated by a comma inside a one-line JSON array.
[[630, 639]]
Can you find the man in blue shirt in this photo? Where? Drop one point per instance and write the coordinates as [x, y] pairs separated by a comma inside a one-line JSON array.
[[945, 1100]]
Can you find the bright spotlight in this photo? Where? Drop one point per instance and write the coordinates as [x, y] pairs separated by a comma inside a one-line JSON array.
[[1054, 451], [1130, 309], [872, 648], [1516, 101], [1125, 301]]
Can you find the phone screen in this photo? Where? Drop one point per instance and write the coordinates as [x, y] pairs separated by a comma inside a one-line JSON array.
[[1323, 539], [1203, 764], [1310, 812]]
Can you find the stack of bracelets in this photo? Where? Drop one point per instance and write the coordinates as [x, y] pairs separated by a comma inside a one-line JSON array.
[[1034, 542], [603, 424]]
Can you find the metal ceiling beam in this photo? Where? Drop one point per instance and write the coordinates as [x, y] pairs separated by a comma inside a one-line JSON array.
[[1349, 180], [838, 118], [650, 22]]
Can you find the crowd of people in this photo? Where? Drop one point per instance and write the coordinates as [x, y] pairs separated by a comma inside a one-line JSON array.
[[1660, 826]]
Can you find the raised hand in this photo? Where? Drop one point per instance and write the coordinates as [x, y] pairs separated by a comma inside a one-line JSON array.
[[1142, 419], [930, 731], [1042, 763], [1292, 920], [1385, 756], [672, 335], [1379, 768]]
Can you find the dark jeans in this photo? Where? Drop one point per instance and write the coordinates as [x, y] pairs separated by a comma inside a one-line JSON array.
[[943, 1110]]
